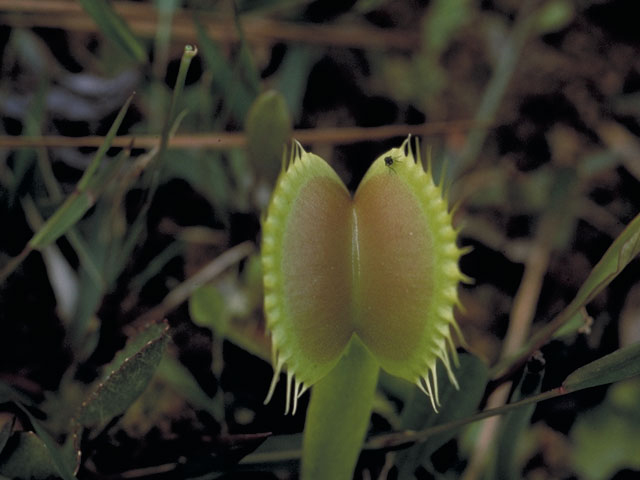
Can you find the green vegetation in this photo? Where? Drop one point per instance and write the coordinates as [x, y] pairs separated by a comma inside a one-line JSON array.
[[135, 178]]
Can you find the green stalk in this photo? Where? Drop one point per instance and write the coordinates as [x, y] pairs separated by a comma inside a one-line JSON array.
[[338, 416]]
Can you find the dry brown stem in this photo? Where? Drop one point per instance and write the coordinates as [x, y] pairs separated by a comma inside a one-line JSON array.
[[227, 140], [142, 19]]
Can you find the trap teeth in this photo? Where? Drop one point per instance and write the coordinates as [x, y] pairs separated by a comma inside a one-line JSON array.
[[337, 266]]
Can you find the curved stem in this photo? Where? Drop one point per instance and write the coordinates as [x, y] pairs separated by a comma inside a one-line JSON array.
[[338, 416]]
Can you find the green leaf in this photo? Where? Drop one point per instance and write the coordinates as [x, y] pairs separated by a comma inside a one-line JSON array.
[[207, 307], [5, 431], [229, 451], [268, 128], [455, 404], [275, 449], [29, 459], [178, 377], [205, 173], [125, 377], [102, 241], [64, 460], [9, 394], [505, 462], [69, 213], [605, 440], [554, 15], [293, 74], [444, 19], [620, 253], [155, 266], [115, 28], [621, 364], [624, 249]]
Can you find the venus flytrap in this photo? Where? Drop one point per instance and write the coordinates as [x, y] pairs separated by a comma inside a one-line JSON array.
[[355, 284]]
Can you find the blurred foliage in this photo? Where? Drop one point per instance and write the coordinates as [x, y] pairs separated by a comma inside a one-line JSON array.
[[617, 417], [120, 213]]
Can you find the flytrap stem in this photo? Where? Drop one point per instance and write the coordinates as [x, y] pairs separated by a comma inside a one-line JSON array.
[[338, 416]]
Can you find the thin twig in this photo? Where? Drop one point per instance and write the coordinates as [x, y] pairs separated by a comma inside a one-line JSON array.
[[142, 19], [183, 291], [14, 263], [404, 439], [623, 143], [401, 439], [527, 296], [228, 140], [522, 315]]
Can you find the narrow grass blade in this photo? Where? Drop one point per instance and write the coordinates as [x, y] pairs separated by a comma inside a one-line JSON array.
[[236, 94], [33, 128], [182, 381], [156, 157], [72, 210], [207, 307], [246, 63], [87, 178], [99, 240], [624, 249], [189, 53], [77, 204], [495, 91], [619, 365], [115, 28], [293, 74]]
